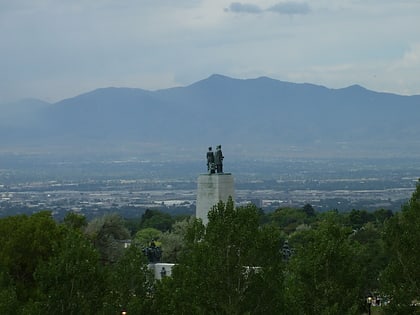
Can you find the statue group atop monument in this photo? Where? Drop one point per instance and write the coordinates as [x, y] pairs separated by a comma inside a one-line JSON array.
[[215, 160]]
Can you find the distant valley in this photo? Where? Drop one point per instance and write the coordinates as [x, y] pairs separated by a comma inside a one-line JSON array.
[[94, 187]]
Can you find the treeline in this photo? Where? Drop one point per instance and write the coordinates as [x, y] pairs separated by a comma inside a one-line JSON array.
[[290, 261]]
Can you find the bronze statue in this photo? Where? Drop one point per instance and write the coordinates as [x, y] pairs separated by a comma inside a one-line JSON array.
[[210, 161], [153, 253], [219, 159]]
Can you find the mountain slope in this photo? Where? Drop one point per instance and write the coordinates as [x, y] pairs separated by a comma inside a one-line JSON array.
[[255, 117]]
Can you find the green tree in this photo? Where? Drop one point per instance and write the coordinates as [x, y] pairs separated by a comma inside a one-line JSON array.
[[232, 268], [173, 242], [289, 219], [26, 242], [9, 303], [75, 220], [372, 254], [309, 210], [357, 218], [156, 219], [324, 274], [71, 281], [382, 215], [144, 236], [106, 233], [401, 278], [130, 284]]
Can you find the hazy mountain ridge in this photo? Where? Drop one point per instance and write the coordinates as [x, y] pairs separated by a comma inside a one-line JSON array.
[[259, 115]]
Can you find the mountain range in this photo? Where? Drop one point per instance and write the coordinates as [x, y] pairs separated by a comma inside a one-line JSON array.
[[251, 118]]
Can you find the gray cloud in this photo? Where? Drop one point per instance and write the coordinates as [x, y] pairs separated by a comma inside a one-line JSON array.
[[290, 8], [238, 7], [54, 49]]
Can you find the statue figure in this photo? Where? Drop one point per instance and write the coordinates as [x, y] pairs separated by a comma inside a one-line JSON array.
[[153, 253], [287, 252], [219, 159], [163, 272], [210, 161]]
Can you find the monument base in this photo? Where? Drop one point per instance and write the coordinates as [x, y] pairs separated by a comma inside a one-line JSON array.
[[212, 188]]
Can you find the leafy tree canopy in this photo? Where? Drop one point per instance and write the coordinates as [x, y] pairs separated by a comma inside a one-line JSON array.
[[145, 236], [231, 263], [25, 242], [401, 277], [106, 233], [156, 219], [325, 276]]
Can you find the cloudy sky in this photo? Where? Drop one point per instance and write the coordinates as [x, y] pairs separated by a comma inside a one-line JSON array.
[[54, 49]]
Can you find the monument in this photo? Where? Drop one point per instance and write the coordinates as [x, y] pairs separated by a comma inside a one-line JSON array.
[[214, 186]]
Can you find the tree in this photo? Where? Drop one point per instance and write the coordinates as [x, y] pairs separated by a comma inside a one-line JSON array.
[[309, 210], [401, 278], [289, 218], [9, 303], [156, 219], [26, 242], [130, 284], [357, 218], [372, 254], [235, 265], [382, 215], [144, 236], [324, 275], [75, 220], [173, 242], [72, 281], [106, 233]]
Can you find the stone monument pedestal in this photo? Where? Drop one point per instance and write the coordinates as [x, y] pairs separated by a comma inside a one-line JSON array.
[[212, 188]]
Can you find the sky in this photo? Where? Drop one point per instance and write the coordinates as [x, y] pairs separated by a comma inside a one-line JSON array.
[[55, 49]]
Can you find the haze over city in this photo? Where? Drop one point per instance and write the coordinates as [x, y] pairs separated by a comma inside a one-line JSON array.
[[86, 86], [112, 200], [53, 50]]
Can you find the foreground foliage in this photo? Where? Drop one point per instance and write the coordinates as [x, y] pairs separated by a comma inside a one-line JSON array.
[[401, 277], [237, 264], [232, 267]]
